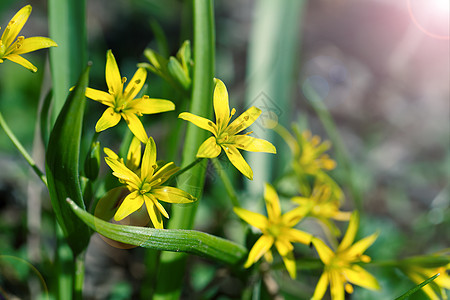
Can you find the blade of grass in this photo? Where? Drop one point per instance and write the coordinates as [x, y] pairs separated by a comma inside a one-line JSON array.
[[172, 265], [417, 287], [67, 26]]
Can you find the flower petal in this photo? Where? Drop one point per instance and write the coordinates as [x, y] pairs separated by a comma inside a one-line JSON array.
[[33, 44], [110, 153], [262, 245], [109, 119], [147, 105], [159, 206], [135, 126], [112, 74], [244, 120], [257, 220], [221, 105], [130, 204], [209, 148], [122, 172], [165, 172], [288, 258], [153, 212], [21, 61], [135, 84], [337, 286], [321, 287], [272, 202], [253, 144], [134, 154], [350, 234], [360, 246], [100, 96], [294, 216], [238, 161], [201, 122], [325, 253], [148, 160], [171, 195], [15, 25], [357, 275], [298, 236]]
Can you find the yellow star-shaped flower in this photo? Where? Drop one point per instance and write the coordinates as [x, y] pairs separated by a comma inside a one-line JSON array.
[[276, 229], [122, 103], [11, 50], [145, 186], [226, 135], [341, 267]]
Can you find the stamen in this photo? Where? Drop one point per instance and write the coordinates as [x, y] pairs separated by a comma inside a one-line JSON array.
[[233, 111], [124, 79]]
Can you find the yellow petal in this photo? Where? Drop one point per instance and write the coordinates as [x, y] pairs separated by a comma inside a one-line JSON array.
[[135, 126], [153, 212], [201, 122], [272, 202], [209, 148], [428, 290], [135, 84], [148, 160], [359, 247], [289, 261], [110, 153], [298, 236], [351, 232], [159, 206], [165, 172], [252, 218], [262, 245], [112, 74], [134, 154], [268, 256], [250, 143], [15, 25], [33, 44], [294, 216], [109, 119], [130, 204], [147, 105], [238, 161], [244, 120], [122, 172], [100, 96], [172, 195], [357, 275], [325, 253], [21, 61], [337, 286], [321, 287], [221, 105]]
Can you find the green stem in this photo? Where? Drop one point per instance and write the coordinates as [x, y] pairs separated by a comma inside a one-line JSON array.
[[172, 266], [192, 164], [22, 150], [79, 277], [226, 182]]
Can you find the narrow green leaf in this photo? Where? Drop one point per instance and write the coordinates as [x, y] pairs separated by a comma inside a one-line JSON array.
[[178, 73], [62, 165], [44, 117], [175, 240], [417, 287]]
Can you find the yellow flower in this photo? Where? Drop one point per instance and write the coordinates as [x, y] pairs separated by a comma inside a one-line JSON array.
[[122, 103], [322, 205], [12, 50], [341, 267], [419, 272], [147, 186], [225, 134], [276, 229]]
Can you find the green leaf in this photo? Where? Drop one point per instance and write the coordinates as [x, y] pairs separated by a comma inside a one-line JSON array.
[[176, 240], [62, 166], [44, 117], [178, 73], [416, 288]]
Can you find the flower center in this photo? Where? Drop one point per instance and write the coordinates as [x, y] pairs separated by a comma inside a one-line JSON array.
[[2, 49], [275, 229], [145, 188]]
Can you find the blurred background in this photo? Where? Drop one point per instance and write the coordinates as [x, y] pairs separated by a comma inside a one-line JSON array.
[[382, 69]]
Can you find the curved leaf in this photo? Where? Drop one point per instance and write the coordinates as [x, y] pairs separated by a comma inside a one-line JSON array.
[[176, 240], [62, 166]]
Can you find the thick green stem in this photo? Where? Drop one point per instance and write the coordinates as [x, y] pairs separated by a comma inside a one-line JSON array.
[[226, 182], [79, 277], [172, 265], [22, 150]]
